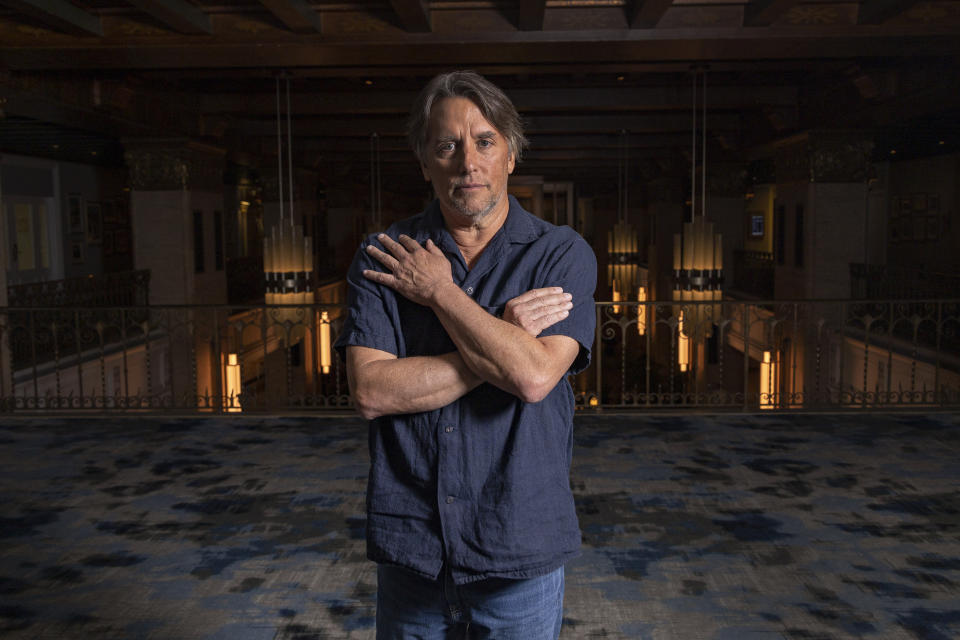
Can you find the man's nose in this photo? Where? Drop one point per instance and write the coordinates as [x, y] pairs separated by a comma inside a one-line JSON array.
[[468, 158]]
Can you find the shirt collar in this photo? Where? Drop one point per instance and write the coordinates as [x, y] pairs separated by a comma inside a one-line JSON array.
[[518, 227]]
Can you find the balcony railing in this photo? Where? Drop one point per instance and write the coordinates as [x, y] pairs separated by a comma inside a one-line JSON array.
[[121, 289], [726, 355]]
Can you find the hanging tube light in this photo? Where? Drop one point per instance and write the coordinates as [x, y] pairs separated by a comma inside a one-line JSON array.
[[287, 252]]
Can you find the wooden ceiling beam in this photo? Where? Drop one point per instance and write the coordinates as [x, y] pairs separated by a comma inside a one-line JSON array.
[[179, 15], [531, 14], [536, 125], [879, 11], [526, 100], [546, 47], [414, 15], [60, 15], [647, 13], [570, 141], [296, 15], [763, 13]]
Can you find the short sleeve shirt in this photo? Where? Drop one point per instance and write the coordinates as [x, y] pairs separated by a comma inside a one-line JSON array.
[[481, 484]]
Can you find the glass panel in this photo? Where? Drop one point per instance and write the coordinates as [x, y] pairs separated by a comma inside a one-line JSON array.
[[23, 214]]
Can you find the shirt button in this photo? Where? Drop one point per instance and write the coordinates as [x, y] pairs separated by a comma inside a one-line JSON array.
[[450, 499], [448, 429], [469, 291]]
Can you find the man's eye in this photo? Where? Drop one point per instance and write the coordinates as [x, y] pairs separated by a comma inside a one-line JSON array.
[[446, 147], [483, 143]]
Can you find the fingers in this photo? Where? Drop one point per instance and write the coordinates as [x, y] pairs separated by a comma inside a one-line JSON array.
[[551, 319], [379, 277], [533, 294], [405, 245], [385, 259]]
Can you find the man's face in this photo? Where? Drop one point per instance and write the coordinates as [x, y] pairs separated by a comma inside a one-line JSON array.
[[466, 159]]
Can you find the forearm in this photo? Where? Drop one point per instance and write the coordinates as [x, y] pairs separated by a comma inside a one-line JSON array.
[[498, 352], [409, 385]]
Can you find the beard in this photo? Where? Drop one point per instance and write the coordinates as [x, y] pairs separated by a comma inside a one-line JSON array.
[[475, 207]]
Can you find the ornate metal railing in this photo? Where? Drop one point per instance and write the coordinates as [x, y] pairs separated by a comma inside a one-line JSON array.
[[726, 355], [121, 289]]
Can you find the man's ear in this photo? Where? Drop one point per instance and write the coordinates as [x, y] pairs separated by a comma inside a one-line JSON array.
[[423, 168], [511, 163]]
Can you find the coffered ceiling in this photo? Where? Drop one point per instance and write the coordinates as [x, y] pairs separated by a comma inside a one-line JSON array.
[[79, 77]]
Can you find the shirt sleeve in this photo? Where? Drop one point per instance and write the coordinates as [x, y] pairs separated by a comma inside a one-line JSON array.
[[574, 268], [370, 310]]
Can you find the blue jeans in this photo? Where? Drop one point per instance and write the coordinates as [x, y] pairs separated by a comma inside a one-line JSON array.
[[411, 607]]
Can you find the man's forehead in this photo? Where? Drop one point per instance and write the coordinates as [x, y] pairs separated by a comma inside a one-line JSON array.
[[463, 107]]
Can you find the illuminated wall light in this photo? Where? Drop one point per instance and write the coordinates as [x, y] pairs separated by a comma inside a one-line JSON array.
[[232, 384], [594, 401], [325, 359], [641, 311], [768, 381], [683, 346], [893, 152]]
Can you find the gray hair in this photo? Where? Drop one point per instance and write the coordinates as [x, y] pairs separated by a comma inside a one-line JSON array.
[[489, 98]]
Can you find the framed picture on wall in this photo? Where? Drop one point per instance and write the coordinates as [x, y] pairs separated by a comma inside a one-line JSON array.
[[94, 223], [75, 213], [756, 226], [933, 202], [76, 250]]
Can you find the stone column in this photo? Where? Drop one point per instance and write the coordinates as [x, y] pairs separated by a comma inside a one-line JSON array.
[[822, 178], [177, 191], [823, 183]]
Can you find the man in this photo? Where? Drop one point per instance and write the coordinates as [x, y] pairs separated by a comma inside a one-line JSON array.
[[463, 323]]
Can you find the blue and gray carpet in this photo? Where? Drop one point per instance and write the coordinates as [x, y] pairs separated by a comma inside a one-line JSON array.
[[722, 527]]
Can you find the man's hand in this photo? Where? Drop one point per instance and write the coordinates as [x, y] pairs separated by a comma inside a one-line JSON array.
[[538, 309], [417, 273]]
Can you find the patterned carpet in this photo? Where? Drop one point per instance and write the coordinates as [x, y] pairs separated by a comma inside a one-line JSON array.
[[729, 527]]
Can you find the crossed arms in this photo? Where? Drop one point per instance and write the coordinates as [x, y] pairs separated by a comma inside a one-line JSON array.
[[504, 352]]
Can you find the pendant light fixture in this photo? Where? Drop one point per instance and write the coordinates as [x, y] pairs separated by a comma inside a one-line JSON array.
[[287, 253], [697, 251], [622, 245]]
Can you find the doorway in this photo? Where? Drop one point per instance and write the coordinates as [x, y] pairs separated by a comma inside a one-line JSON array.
[[28, 239]]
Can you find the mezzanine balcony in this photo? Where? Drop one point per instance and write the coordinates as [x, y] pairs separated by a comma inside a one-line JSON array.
[[727, 355]]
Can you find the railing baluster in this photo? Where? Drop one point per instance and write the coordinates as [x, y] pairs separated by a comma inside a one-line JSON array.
[[920, 350]]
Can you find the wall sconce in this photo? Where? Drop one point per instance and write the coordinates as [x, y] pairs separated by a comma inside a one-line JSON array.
[[232, 383], [641, 311], [683, 346], [768, 381], [325, 359]]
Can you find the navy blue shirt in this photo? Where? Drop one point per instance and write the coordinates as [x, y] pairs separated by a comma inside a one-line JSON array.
[[482, 483]]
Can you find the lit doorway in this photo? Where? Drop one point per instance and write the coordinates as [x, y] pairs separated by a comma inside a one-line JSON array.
[[28, 239]]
